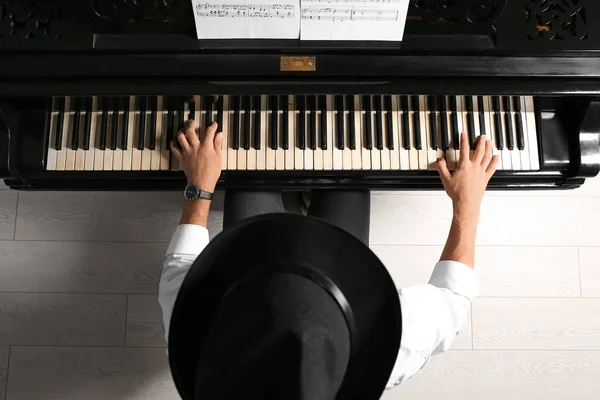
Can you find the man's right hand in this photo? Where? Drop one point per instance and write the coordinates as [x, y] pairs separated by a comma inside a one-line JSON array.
[[466, 185]]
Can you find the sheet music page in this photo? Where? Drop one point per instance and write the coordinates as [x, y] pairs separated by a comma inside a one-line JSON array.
[[247, 19], [353, 19]]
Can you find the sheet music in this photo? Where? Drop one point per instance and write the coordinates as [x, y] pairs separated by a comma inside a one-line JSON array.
[[353, 19], [248, 19]]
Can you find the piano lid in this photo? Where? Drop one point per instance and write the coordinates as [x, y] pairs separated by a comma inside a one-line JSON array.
[[502, 27]]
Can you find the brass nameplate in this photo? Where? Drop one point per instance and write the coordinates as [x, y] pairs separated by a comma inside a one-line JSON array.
[[298, 63]]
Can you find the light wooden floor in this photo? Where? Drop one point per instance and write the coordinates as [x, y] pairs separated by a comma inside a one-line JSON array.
[[79, 317]]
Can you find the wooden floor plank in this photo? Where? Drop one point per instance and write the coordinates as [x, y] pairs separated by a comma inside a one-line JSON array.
[[100, 216], [3, 370], [543, 324], [81, 267], [62, 319], [502, 375], [8, 209], [80, 373], [144, 321], [590, 271]]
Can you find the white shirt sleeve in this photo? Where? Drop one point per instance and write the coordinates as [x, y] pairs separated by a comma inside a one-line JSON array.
[[432, 315], [187, 243]]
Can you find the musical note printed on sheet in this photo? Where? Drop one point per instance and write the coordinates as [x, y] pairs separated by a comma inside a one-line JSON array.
[[247, 19], [353, 19]]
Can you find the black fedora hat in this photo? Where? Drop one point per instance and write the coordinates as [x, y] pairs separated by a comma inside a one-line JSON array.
[[285, 306]]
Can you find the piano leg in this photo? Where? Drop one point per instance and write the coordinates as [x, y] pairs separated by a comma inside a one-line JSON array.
[[589, 142]]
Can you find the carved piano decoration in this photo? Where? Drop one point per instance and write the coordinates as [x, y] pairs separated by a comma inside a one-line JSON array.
[[91, 93]]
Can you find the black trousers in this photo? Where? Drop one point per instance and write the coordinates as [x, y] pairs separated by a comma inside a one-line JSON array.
[[347, 209]]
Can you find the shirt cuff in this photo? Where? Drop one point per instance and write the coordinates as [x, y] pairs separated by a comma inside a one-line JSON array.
[[456, 277], [188, 239]]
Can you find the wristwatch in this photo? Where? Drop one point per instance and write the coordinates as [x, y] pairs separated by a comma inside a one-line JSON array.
[[192, 192]]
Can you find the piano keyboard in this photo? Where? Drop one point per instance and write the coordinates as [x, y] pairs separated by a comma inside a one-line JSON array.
[[307, 132]]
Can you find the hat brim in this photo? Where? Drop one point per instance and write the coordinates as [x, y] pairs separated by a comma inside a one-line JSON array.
[[333, 258]]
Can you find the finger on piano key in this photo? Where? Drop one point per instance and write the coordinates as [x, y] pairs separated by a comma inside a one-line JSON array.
[[225, 128], [261, 149], [464, 115], [519, 121], [250, 124], [413, 153], [70, 153], [348, 119], [329, 133], [430, 132], [404, 163], [193, 105], [93, 117], [207, 110], [357, 162], [56, 114], [531, 133], [79, 122], [283, 118], [290, 130], [489, 126], [385, 152], [242, 153], [297, 137], [323, 121], [338, 129], [272, 129], [219, 107], [318, 151], [424, 155], [470, 120], [440, 120], [157, 104], [116, 124], [234, 118]]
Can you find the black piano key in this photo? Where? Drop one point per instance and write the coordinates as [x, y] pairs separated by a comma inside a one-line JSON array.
[[60, 107], [285, 122], [207, 107], [378, 122], [104, 125], [125, 124], [301, 122], [235, 107], [274, 122], [368, 126], [519, 123], [470, 122], [481, 111], [351, 122], [508, 122], [257, 127], [405, 122], [142, 125], [219, 106], [87, 123], [389, 121], [339, 124], [323, 122], [498, 122], [114, 126], [192, 110], [441, 106], [454, 118], [246, 126], [414, 100], [312, 126], [76, 123], [433, 130], [153, 105]]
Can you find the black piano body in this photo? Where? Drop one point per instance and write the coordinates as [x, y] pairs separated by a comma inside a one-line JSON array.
[[546, 49]]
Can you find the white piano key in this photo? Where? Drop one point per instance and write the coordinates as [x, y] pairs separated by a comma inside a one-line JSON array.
[[165, 152], [489, 126], [271, 154], [413, 153], [328, 153], [51, 155], [525, 163], [347, 152], [173, 160], [89, 156], [290, 152], [251, 153], [357, 162], [453, 154], [531, 133], [423, 153], [318, 152], [232, 154], [128, 154], [385, 152], [362, 144], [515, 156], [199, 115], [225, 134], [261, 154], [80, 152], [61, 155], [108, 153], [136, 155], [70, 153], [182, 121], [338, 159], [118, 152], [399, 126], [280, 156], [375, 152], [147, 153], [476, 116], [309, 154], [507, 160], [158, 123]]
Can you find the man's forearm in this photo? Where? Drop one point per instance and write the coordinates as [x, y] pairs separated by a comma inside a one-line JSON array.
[[460, 245], [195, 212]]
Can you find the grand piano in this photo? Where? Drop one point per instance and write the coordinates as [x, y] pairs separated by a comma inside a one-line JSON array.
[[92, 92]]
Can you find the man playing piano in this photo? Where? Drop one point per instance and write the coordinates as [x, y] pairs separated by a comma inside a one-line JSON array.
[[431, 314]]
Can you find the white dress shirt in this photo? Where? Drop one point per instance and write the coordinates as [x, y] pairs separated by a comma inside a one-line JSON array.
[[432, 313]]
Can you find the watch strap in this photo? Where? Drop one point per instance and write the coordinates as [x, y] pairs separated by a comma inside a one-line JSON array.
[[205, 195]]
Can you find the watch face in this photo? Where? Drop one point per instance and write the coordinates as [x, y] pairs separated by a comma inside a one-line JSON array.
[[191, 192]]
